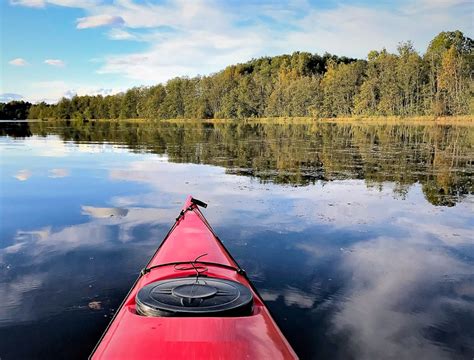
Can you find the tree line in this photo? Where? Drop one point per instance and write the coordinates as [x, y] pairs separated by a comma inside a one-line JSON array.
[[439, 82], [14, 110]]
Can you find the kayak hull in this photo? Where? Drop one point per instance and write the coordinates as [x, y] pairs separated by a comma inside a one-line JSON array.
[[132, 336]]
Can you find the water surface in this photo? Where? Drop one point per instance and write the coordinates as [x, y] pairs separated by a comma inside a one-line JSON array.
[[359, 237]]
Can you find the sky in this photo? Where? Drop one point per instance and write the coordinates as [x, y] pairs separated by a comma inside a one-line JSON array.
[[56, 48]]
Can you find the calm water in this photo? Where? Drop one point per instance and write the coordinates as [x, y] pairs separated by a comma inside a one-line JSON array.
[[360, 238]]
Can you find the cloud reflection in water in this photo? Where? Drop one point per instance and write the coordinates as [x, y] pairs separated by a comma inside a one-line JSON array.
[[394, 301]]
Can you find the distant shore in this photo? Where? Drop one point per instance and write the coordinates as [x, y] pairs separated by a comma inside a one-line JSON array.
[[429, 119], [425, 120]]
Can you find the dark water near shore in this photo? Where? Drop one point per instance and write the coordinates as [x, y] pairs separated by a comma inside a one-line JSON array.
[[359, 237]]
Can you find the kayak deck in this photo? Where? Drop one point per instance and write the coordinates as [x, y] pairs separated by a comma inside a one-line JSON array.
[[133, 336]]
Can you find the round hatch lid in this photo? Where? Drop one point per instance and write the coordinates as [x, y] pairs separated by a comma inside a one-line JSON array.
[[194, 297]]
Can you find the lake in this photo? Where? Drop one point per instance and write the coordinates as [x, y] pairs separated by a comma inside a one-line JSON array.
[[358, 236]]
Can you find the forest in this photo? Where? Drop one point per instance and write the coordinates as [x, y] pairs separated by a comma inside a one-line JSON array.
[[439, 83]]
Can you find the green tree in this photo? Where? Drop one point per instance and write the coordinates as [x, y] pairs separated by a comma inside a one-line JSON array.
[[341, 84], [301, 84], [410, 79], [453, 84], [464, 47], [64, 109]]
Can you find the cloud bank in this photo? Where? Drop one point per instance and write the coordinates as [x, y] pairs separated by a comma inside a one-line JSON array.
[[84, 4], [7, 97], [99, 20], [55, 62]]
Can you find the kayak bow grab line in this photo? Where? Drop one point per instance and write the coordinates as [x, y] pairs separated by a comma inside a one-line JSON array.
[[199, 268], [196, 202], [172, 297], [194, 297]]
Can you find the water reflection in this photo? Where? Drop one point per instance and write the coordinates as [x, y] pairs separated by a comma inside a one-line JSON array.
[[103, 212], [437, 156], [349, 270], [58, 173], [399, 291], [23, 175]]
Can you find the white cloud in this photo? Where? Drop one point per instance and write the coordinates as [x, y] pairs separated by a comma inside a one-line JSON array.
[[54, 62], [52, 91], [7, 97], [66, 3], [170, 55], [28, 3], [18, 62], [429, 5], [201, 30], [85, 4], [99, 20], [119, 34], [179, 14]]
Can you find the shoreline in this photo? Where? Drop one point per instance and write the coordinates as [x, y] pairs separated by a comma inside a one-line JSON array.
[[392, 120]]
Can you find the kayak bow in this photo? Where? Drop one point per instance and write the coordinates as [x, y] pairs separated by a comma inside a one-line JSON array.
[[192, 301]]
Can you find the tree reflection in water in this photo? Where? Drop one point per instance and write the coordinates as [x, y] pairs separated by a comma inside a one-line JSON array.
[[439, 157]]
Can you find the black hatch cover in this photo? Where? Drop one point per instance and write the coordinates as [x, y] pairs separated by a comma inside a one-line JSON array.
[[193, 296]]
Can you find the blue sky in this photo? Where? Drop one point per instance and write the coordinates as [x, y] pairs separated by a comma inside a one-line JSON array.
[[55, 48]]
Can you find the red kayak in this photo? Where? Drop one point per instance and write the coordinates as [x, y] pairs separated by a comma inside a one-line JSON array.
[[192, 301]]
